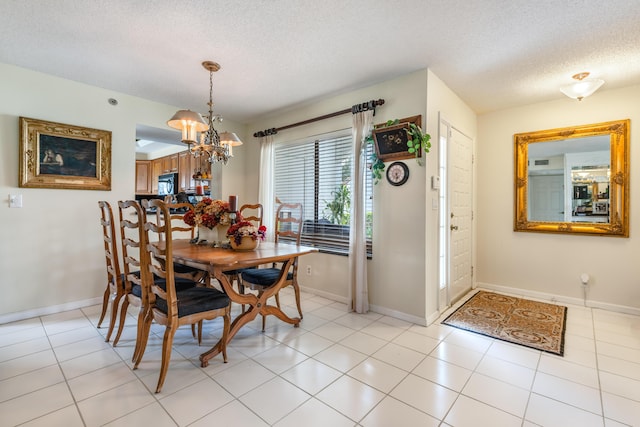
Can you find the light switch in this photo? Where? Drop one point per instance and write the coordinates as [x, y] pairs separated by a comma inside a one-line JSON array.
[[15, 200], [435, 182]]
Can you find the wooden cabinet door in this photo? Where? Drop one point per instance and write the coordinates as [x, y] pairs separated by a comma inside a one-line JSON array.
[[172, 162], [143, 177], [185, 171], [156, 171]]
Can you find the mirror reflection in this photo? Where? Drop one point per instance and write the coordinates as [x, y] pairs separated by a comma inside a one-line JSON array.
[[564, 179], [568, 180]]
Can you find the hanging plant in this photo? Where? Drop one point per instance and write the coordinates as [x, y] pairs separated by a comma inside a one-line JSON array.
[[417, 141], [377, 165]]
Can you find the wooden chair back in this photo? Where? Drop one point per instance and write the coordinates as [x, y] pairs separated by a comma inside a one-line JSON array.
[[159, 250], [132, 219], [114, 285], [179, 228], [289, 222], [252, 212]]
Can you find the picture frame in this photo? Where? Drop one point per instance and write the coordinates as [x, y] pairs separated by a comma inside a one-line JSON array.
[[390, 142], [63, 156]]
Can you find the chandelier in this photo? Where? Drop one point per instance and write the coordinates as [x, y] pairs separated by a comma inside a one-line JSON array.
[[216, 147]]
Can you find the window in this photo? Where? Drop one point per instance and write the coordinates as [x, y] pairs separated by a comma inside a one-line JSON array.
[[317, 173]]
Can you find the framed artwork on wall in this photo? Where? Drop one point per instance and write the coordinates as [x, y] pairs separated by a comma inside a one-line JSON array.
[[56, 155], [391, 141]]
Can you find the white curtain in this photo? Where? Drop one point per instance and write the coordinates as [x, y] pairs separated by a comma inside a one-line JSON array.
[[265, 192], [358, 286]]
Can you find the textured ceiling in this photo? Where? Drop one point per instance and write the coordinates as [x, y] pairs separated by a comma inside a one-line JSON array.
[[280, 53]]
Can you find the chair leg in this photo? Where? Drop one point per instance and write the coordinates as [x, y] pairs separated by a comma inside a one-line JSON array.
[[114, 315], [166, 355], [123, 316], [277, 295], [199, 332], [105, 304], [241, 289], [225, 332], [144, 325], [296, 289], [193, 330]]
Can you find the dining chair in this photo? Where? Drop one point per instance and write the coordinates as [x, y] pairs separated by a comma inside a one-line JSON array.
[[181, 229], [115, 289], [253, 213], [166, 307], [132, 219], [288, 229]]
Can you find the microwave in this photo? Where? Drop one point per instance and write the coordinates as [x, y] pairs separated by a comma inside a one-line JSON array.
[[168, 184]]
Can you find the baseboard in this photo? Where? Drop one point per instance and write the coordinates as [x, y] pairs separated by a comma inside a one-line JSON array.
[[398, 315], [376, 309], [544, 296], [325, 294], [44, 311]]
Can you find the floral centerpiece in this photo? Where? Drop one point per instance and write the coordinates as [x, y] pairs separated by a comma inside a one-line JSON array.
[[245, 229], [209, 213], [209, 216]]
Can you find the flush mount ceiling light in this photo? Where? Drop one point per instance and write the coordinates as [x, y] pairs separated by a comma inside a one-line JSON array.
[[217, 147], [582, 87]]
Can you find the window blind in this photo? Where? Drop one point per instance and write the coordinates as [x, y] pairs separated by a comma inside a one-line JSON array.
[[317, 173]]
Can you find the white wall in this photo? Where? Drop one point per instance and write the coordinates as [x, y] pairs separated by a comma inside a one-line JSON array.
[[51, 254], [547, 263], [396, 272], [442, 104]]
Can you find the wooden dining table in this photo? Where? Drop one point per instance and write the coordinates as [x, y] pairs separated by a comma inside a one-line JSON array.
[[218, 260]]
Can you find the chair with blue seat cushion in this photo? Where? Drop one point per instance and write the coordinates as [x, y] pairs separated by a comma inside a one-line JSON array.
[[252, 213], [288, 229], [180, 229], [167, 307], [115, 288], [132, 219]]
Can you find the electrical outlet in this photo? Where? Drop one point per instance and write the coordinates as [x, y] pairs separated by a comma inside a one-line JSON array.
[[308, 270]]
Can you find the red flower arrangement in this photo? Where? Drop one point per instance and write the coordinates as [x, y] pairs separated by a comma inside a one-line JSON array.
[[246, 229], [209, 213]]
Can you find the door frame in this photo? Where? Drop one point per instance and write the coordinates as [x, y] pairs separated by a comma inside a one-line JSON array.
[[444, 130]]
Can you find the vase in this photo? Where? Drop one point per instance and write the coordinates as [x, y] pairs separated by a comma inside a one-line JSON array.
[[247, 243], [210, 236]]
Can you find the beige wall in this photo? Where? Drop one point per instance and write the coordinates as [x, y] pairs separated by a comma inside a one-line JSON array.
[[548, 264], [51, 254], [396, 272]]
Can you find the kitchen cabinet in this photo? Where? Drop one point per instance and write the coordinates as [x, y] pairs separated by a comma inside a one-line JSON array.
[[169, 163], [185, 171], [156, 171], [148, 171], [143, 177]]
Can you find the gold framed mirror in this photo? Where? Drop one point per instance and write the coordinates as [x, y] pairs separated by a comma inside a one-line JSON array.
[[573, 180]]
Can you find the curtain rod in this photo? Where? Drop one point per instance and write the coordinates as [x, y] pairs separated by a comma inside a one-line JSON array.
[[364, 106]]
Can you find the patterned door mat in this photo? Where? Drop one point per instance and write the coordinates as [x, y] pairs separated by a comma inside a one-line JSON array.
[[529, 323]]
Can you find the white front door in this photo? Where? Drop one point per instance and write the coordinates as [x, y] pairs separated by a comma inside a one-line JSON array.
[[456, 216]]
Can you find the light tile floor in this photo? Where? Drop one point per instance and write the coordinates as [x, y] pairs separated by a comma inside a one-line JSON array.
[[336, 369]]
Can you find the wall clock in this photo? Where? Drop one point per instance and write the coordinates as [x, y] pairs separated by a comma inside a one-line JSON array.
[[397, 173]]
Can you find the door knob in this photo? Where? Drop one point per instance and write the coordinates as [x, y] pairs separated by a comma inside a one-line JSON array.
[[453, 227]]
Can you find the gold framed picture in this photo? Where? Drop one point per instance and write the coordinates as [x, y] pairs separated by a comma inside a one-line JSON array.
[[56, 155]]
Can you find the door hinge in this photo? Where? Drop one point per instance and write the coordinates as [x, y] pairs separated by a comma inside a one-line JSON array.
[[472, 271]]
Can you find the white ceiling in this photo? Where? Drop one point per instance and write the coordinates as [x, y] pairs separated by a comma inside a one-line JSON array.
[[281, 53]]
